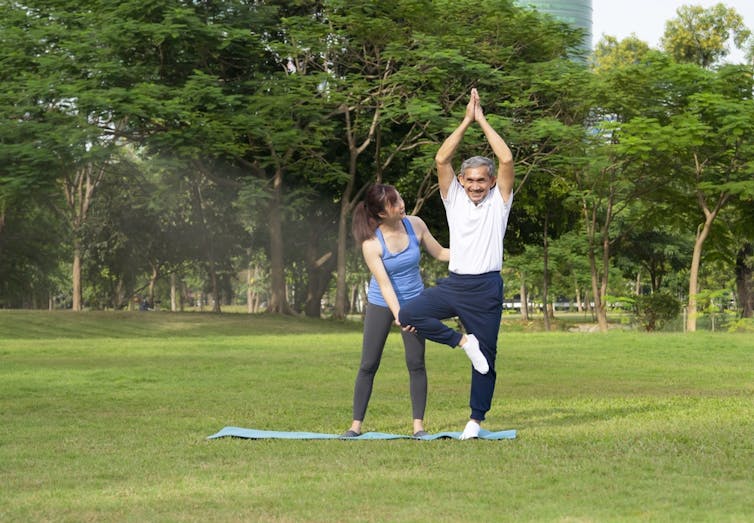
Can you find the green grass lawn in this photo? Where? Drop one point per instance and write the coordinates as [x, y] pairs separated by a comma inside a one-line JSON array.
[[105, 418]]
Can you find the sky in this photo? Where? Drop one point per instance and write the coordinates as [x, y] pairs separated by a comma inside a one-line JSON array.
[[646, 18]]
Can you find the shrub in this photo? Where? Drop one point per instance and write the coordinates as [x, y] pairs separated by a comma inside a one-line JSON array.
[[653, 311], [742, 325]]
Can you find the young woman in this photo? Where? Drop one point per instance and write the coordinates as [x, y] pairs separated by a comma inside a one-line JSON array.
[[390, 242]]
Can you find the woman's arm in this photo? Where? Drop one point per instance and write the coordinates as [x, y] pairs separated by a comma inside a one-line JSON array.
[[429, 242], [372, 250]]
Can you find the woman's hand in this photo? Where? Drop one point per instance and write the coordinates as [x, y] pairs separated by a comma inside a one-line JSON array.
[[406, 328]]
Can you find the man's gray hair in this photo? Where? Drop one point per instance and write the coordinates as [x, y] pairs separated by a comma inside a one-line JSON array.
[[479, 161]]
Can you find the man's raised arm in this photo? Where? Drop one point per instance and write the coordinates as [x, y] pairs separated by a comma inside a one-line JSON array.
[[505, 173], [444, 156]]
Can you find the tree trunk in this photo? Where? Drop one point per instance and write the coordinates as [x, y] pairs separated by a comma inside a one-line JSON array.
[[76, 275], [183, 295], [354, 298], [599, 309], [207, 239], [119, 299], [744, 279], [252, 295], [320, 273], [278, 299], [173, 293], [696, 258], [213, 283], [79, 192], [524, 300], [545, 276], [588, 307], [249, 291], [153, 283], [340, 281], [549, 313], [696, 261], [599, 275], [346, 204]]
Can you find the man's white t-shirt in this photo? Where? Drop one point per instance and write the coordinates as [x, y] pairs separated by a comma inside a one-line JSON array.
[[476, 231]]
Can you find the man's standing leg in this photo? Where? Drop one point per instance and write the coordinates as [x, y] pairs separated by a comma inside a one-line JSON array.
[[480, 315]]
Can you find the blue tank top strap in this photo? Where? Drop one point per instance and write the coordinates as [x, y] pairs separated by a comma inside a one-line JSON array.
[[378, 233], [410, 229], [412, 239]]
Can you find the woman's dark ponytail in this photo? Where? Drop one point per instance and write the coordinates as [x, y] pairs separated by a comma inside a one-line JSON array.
[[366, 215]]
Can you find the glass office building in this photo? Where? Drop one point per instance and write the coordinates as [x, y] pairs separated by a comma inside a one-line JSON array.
[[575, 12]]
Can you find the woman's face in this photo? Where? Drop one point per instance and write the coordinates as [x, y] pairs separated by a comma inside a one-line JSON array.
[[396, 211]]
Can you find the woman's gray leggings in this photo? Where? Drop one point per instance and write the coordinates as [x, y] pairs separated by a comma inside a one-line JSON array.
[[378, 322]]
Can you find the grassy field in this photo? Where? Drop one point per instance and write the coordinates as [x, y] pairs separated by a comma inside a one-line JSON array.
[[105, 418]]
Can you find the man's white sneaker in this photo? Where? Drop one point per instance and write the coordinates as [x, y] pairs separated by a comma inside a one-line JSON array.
[[471, 430], [471, 348]]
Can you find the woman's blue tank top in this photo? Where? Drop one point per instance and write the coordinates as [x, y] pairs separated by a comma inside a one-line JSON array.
[[402, 269]]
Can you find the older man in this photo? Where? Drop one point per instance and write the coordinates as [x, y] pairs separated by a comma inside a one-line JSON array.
[[477, 204]]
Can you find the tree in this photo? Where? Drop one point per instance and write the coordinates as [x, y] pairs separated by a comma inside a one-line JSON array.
[[701, 36], [653, 246], [60, 124], [610, 53], [371, 55], [627, 155], [31, 136], [221, 103], [400, 75], [31, 246], [720, 167], [550, 113], [742, 229]]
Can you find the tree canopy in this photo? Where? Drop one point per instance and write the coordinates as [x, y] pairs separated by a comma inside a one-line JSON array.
[[202, 150]]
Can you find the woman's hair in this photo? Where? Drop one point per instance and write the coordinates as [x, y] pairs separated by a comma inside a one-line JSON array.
[[366, 215]]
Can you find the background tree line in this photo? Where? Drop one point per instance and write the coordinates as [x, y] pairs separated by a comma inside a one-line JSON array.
[[210, 153]]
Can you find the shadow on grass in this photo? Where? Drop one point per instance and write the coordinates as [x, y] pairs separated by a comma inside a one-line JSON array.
[[17, 324], [565, 417]]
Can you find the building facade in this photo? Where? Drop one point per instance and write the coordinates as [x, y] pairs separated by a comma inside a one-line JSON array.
[[578, 13]]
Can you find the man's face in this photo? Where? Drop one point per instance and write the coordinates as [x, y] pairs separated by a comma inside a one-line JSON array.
[[476, 183]]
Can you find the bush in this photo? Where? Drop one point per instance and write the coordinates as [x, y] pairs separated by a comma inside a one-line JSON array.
[[653, 311], [742, 325]]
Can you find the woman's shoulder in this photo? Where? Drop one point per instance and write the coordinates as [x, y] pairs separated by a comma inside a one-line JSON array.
[[371, 246], [417, 224], [415, 220]]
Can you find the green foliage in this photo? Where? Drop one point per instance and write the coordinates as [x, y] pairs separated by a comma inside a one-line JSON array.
[[742, 325], [655, 310], [31, 248], [700, 35], [610, 53], [241, 112]]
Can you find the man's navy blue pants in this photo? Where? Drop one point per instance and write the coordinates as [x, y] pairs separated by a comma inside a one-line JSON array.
[[477, 300]]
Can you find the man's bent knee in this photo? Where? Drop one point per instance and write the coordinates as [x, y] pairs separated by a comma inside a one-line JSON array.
[[405, 315]]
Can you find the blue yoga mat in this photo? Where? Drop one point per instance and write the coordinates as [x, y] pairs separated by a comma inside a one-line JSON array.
[[238, 432]]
